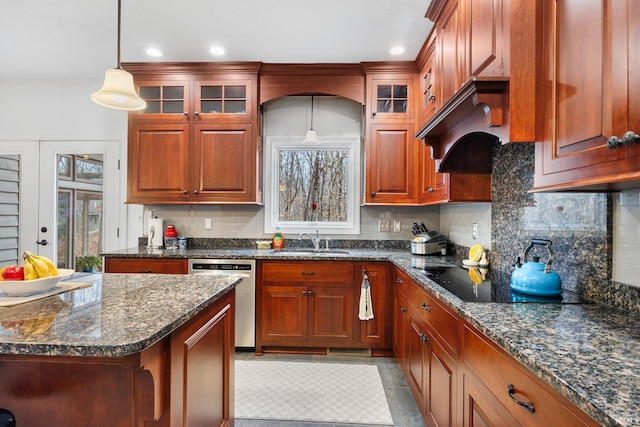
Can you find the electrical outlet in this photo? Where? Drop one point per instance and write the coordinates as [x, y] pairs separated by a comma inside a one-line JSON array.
[[207, 223], [384, 225], [397, 226], [474, 231]]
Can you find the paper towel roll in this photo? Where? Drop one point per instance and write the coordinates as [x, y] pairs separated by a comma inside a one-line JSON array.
[[156, 233]]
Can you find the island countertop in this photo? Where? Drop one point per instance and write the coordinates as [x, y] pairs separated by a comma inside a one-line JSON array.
[[118, 315], [586, 352]]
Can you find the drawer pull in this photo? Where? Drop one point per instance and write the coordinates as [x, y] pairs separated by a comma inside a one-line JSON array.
[[398, 280], [527, 405], [403, 310], [145, 271], [423, 337], [425, 306], [308, 273]]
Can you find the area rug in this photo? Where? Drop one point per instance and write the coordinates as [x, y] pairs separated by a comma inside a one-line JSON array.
[[302, 391]]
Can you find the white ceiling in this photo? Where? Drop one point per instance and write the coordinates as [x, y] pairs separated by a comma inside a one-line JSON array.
[[78, 38]]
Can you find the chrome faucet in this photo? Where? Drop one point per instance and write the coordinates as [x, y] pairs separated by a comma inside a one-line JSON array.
[[316, 240]]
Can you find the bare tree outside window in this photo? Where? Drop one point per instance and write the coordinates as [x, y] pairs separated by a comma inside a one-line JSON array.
[[313, 187]]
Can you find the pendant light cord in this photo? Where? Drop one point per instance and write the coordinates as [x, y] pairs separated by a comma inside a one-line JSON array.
[[119, 9]]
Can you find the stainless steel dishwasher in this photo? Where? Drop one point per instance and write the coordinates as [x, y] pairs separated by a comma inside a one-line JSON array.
[[245, 293]]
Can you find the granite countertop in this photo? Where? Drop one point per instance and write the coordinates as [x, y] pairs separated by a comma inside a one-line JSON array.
[[586, 352], [118, 315]]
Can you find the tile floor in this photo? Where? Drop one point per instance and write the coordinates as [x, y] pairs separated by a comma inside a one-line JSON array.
[[403, 407]]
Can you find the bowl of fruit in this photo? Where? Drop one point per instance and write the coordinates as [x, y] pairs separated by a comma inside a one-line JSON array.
[[37, 275]]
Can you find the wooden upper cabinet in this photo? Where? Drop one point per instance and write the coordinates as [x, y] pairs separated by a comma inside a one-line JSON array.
[[428, 101], [590, 96], [197, 141], [451, 35], [486, 38], [390, 164]]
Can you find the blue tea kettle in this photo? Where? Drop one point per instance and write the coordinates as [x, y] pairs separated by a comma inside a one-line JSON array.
[[534, 277]]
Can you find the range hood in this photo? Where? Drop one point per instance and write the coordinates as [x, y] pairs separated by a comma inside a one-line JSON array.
[[464, 131]]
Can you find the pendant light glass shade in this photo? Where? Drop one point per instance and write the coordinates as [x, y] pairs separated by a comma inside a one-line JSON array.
[[118, 92], [311, 136]]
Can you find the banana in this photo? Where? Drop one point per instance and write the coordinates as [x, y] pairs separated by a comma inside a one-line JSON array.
[[40, 267], [52, 268], [29, 271]]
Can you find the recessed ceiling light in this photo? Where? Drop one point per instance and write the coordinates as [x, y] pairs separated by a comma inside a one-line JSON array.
[[217, 50], [398, 50], [154, 51]]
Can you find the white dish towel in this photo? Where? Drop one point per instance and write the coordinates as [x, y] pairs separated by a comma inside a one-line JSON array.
[[366, 306]]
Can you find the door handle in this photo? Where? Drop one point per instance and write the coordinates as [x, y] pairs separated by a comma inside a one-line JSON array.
[[42, 242]]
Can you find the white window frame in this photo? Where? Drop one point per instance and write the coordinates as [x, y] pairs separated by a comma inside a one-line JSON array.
[[273, 146]]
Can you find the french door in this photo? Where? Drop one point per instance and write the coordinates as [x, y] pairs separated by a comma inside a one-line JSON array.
[[67, 199]]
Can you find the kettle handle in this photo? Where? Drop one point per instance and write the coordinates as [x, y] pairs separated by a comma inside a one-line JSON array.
[[541, 242]]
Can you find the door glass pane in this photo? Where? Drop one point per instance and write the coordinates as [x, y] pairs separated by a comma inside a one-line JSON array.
[[172, 107], [150, 92], [235, 107], [80, 207], [173, 92], [212, 106]]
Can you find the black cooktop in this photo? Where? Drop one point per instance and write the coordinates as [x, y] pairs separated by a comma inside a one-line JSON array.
[[457, 280]]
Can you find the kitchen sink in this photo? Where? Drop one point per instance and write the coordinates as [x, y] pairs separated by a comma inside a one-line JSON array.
[[307, 251]]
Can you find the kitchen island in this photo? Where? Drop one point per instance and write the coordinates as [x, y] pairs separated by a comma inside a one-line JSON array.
[[129, 350], [585, 352]]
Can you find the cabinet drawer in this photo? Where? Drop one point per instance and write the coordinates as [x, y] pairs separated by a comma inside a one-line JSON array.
[[145, 265], [307, 271], [442, 321], [497, 370]]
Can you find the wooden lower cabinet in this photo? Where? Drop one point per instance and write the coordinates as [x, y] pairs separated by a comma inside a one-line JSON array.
[[185, 379], [459, 377], [314, 304], [146, 265]]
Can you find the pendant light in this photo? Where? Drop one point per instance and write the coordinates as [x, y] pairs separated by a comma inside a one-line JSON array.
[[118, 91], [311, 137]]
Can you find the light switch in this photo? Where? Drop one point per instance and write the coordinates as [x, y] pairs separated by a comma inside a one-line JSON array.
[[397, 226], [207, 223]]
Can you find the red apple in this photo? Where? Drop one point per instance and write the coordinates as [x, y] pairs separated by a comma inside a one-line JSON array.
[[13, 272]]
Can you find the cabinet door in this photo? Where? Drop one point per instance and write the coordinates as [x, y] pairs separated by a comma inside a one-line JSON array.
[[485, 37], [452, 67], [400, 316], [331, 315], [224, 163], [418, 352], [428, 100], [167, 101], [202, 369], [223, 100], [377, 330], [158, 163], [390, 164], [284, 315], [433, 186], [391, 99], [441, 394], [587, 104]]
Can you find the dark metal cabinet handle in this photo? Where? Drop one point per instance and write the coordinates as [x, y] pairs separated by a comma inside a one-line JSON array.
[[197, 114], [627, 139], [373, 194], [308, 273], [423, 338], [185, 191], [431, 97], [309, 292], [403, 310], [304, 292], [145, 271], [425, 306], [527, 405], [399, 280], [196, 192]]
